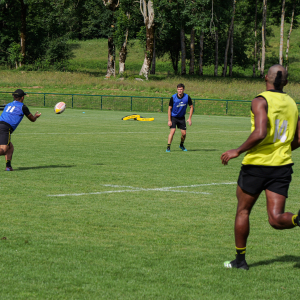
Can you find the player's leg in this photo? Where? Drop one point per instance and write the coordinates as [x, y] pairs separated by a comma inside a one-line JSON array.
[[242, 227], [3, 149], [279, 219], [183, 136], [170, 138], [246, 202], [8, 157]]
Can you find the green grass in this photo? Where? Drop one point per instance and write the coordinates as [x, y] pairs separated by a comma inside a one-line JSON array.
[[119, 233]]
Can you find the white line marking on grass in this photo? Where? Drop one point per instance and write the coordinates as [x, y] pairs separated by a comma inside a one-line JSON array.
[[137, 189], [119, 132]]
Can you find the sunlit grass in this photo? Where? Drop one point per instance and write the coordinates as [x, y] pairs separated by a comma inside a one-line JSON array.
[[135, 222]]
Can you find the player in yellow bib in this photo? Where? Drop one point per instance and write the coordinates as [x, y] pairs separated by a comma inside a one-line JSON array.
[[267, 165]]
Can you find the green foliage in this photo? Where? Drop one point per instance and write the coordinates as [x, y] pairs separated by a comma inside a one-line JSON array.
[[14, 54], [122, 25]]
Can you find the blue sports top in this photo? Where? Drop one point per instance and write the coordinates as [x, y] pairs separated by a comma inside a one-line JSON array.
[[179, 105], [13, 113]]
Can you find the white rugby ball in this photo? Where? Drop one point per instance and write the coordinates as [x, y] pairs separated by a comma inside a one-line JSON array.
[[59, 107]]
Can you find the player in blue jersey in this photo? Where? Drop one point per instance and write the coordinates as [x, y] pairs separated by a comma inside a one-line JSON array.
[[11, 117], [176, 115]]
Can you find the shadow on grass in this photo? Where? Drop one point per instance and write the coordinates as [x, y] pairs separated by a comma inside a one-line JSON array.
[[283, 259], [44, 167], [205, 150]]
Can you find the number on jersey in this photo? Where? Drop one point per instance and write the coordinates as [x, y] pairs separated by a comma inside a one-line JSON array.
[[280, 132], [10, 109]]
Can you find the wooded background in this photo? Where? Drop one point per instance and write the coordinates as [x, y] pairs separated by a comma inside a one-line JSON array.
[[34, 34]]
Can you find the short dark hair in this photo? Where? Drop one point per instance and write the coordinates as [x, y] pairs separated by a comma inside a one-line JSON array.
[[180, 85]]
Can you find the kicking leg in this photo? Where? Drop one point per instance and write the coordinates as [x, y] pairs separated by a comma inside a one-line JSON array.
[[278, 219]]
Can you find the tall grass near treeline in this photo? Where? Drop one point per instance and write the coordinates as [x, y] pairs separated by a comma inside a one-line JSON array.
[[86, 75]]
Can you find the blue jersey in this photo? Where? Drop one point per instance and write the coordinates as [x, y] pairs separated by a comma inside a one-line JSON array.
[[179, 105], [13, 114]]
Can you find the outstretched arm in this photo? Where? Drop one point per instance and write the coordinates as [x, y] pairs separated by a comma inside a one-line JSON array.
[[33, 118], [259, 108]]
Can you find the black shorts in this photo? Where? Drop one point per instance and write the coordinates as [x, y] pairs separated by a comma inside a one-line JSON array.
[[179, 122], [255, 179], [5, 134]]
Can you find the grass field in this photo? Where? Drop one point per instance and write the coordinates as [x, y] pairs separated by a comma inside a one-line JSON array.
[[96, 209]]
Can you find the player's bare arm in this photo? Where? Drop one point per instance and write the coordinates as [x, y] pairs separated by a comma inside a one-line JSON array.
[[189, 120], [296, 142], [169, 116], [259, 108], [33, 118]]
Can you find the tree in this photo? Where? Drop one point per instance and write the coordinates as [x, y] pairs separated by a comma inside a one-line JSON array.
[[41, 31], [263, 42], [289, 35], [147, 11], [281, 33], [230, 33], [192, 47], [112, 6]]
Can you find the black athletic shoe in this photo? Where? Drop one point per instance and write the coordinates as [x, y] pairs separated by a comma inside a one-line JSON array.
[[235, 264], [298, 218]]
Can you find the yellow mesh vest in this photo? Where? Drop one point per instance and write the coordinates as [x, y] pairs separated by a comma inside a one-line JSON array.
[[275, 148]]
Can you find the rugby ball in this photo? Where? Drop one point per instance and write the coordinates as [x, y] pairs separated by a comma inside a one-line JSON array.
[[59, 107]]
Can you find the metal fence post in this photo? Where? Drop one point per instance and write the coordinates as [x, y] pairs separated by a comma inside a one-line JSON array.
[[162, 104], [72, 100], [130, 103], [44, 99], [226, 107], [101, 102]]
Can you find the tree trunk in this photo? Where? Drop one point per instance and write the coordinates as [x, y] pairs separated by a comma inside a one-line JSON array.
[[263, 42], [123, 55], [123, 51], [175, 59], [23, 32], [111, 5], [231, 52], [111, 58], [183, 52], [281, 33], [201, 53], [153, 64], [149, 52], [288, 38], [148, 14], [192, 60], [228, 40], [255, 42], [216, 53]]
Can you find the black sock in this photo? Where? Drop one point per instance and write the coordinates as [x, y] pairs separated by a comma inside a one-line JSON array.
[[169, 146], [8, 164], [181, 143], [240, 253]]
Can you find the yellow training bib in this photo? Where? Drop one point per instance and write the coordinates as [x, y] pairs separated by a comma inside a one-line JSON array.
[[275, 148]]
